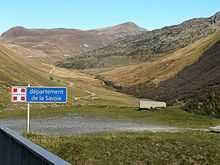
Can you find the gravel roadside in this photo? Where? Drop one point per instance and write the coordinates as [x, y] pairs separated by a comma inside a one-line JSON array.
[[73, 124]]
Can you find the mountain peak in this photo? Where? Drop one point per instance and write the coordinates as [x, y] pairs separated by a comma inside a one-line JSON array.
[[129, 24], [127, 27]]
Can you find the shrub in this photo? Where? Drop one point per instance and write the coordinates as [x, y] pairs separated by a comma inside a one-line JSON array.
[[205, 103]]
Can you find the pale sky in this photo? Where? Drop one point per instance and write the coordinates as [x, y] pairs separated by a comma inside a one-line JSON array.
[[90, 14]]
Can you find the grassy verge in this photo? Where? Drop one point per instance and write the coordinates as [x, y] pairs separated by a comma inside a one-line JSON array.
[[135, 148], [172, 116], [36, 112]]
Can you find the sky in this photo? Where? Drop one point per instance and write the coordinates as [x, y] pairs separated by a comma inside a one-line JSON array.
[[91, 14]]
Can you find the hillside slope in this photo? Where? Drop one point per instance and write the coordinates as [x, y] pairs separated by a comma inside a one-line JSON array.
[[17, 70], [195, 80], [161, 68], [59, 43], [14, 70], [141, 47], [172, 77]]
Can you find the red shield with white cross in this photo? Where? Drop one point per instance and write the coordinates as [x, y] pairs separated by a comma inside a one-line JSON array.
[[18, 94]]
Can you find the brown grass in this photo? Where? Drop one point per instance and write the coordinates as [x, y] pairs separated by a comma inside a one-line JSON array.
[[135, 148], [161, 68], [16, 69]]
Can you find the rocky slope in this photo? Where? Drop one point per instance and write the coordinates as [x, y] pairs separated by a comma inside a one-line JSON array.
[[161, 68], [139, 48], [193, 82], [59, 44]]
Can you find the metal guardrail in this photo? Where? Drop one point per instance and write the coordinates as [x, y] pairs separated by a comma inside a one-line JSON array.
[[16, 150]]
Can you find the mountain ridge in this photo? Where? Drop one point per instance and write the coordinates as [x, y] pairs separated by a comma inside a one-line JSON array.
[[139, 48], [59, 43], [162, 55], [165, 79]]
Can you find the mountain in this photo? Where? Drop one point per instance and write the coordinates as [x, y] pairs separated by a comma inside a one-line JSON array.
[[18, 69], [194, 80], [139, 48], [171, 64], [15, 70], [59, 43], [121, 30], [178, 76]]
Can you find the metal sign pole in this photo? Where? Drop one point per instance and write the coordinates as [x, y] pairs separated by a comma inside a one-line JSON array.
[[28, 115]]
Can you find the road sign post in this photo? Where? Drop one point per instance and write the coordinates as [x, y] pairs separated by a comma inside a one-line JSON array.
[[38, 95], [28, 115]]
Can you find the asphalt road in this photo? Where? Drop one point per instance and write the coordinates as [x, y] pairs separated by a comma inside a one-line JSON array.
[[73, 124]]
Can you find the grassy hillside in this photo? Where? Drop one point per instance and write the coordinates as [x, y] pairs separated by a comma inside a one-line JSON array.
[[142, 47], [19, 69], [206, 99], [162, 68], [88, 90], [135, 148], [143, 79], [14, 70], [60, 43]]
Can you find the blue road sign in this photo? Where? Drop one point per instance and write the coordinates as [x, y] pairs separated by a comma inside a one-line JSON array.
[[46, 94]]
